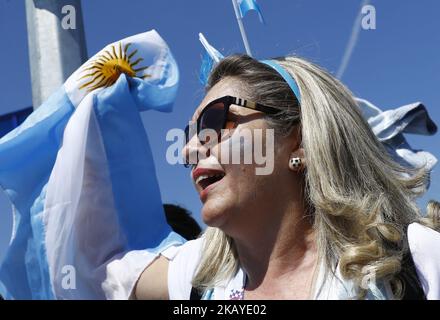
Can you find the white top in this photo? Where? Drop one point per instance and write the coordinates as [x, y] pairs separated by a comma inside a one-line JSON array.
[[424, 245], [185, 259]]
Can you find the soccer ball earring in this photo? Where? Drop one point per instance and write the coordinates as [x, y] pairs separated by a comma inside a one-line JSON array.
[[295, 164]]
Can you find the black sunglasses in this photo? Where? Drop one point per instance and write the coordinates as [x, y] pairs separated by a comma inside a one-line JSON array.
[[214, 116]]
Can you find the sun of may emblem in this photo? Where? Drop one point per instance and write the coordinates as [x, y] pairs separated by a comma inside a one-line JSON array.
[[106, 68]]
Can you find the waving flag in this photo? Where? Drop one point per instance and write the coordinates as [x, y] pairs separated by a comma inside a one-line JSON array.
[[390, 126], [248, 5], [80, 175], [210, 58]]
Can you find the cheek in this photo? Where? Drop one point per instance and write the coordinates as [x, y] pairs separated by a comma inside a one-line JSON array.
[[243, 191], [239, 146], [231, 203]]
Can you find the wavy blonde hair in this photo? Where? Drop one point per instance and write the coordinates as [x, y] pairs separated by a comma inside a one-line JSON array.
[[361, 201]]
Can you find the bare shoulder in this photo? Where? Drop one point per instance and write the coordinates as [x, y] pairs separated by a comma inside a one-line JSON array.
[[153, 282]]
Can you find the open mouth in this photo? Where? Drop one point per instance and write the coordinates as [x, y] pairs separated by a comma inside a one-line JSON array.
[[206, 180]]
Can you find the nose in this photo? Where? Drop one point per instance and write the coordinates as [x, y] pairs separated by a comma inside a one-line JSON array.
[[194, 150]]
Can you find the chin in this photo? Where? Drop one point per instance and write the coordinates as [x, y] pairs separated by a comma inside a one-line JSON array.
[[214, 216], [213, 220], [223, 220]]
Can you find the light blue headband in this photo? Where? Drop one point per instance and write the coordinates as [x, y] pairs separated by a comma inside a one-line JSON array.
[[286, 76]]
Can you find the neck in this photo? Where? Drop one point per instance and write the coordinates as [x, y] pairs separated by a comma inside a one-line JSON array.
[[286, 250]]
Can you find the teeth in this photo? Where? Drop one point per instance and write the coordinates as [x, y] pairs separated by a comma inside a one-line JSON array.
[[206, 176]]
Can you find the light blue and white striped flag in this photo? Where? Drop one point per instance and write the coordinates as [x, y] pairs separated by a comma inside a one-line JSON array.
[[390, 126], [245, 6], [210, 58], [80, 175]]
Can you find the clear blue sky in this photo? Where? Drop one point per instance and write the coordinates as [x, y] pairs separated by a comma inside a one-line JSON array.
[[396, 64]]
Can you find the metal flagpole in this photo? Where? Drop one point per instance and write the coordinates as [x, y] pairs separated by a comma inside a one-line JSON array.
[[242, 31], [56, 48]]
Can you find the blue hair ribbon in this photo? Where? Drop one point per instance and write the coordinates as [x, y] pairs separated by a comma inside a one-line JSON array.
[[286, 76]]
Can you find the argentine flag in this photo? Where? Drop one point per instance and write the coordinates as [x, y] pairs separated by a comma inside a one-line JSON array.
[[80, 175], [391, 127], [244, 6], [210, 59]]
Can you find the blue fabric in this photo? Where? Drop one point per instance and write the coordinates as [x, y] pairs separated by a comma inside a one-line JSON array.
[[286, 76], [208, 64], [130, 162], [248, 5], [36, 259], [412, 118], [158, 94], [392, 125], [206, 68], [27, 155], [210, 56], [10, 121], [173, 239]]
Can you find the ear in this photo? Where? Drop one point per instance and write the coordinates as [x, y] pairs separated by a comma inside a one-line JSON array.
[[296, 149], [298, 153], [295, 142]]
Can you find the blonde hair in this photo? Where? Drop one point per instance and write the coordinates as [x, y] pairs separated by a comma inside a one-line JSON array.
[[361, 200], [432, 219]]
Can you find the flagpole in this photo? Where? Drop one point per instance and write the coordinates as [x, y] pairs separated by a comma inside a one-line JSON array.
[[55, 51], [242, 31]]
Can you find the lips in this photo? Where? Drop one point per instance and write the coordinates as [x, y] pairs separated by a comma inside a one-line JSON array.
[[205, 179]]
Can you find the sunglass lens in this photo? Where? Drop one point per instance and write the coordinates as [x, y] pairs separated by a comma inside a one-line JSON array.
[[213, 118], [187, 137]]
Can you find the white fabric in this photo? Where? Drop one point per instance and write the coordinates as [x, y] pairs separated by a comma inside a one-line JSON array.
[[123, 273], [144, 42], [390, 127], [330, 286], [424, 245], [185, 259], [124, 270], [78, 194], [87, 222], [183, 264], [230, 288], [425, 249]]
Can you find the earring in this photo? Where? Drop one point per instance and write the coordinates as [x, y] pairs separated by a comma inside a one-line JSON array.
[[295, 164]]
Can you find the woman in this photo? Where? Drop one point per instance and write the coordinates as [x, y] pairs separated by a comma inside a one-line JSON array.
[[334, 220]]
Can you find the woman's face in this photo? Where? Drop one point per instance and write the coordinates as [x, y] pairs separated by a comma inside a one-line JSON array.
[[234, 196]]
